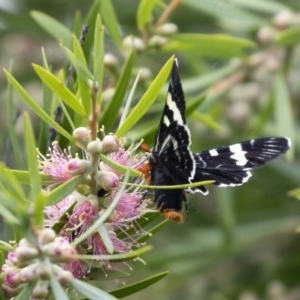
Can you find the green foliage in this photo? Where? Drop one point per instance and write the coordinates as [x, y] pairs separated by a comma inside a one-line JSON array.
[[239, 64]]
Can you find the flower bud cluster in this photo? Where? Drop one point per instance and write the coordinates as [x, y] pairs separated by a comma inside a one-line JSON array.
[[106, 180], [35, 262]]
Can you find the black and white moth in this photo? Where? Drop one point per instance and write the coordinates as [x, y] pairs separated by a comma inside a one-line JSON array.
[[172, 162]]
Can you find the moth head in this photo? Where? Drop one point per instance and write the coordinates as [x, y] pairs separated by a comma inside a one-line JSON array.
[[173, 215]]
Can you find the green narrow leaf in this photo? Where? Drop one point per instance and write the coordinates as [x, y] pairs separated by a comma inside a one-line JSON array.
[[144, 12], [118, 167], [105, 237], [210, 45], [267, 6], [58, 87], [90, 291], [35, 107], [53, 27], [147, 99], [56, 288], [82, 72], [99, 51], [283, 111], [288, 37], [11, 184], [207, 120], [118, 256], [32, 160], [152, 231], [26, 291], [62, 191], [12, 119], [111, 111], [110, 21], [80, 66], [140, 285], [8, 215]]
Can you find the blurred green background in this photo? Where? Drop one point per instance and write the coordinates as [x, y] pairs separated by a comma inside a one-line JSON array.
[[236, 243]]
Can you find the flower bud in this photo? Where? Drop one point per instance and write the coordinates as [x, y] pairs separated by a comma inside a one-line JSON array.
[[64, 277], [283, 19], [107, 180], [46, 236], [41, 290], [110, 60], [107, 94], [24, 254], [131, 42], [28, 273], [82, 136], [266, 34], [145, 73], [61, 250], [110, 144], [78, 166], [157, 41], [94, 147], [167, 29]]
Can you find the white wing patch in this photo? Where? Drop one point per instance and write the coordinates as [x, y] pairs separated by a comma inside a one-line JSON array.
[[173, 107], [238, 154]]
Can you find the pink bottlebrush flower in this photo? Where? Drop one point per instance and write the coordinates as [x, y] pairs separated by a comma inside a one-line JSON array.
[[54, 212], [123, 157], [76, 267], [81, 218], [129, 208], [60, 165]]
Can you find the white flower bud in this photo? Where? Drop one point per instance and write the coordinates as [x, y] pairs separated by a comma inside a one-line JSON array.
[[108, 94], [145, 73], [110, 60], [131, 42], [94, 147], [167, 29], [158, 41], [41, 290], [265, 34], [24, 253], [110, 144], [82, 136], [46, 236], [64, 277], [284, 19]]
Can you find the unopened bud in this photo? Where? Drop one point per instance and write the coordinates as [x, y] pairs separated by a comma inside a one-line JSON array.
[[24, 254], [28, 273], [41, 290], [82, 136], [167, 29], [284, 19], [158, 41], [107, 180], [94, 147], [110, 61], [145, 73], [110, 144], [64, 277], [46, 236], [131, 42], [265, 34], [108, 94], [78, 166]]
